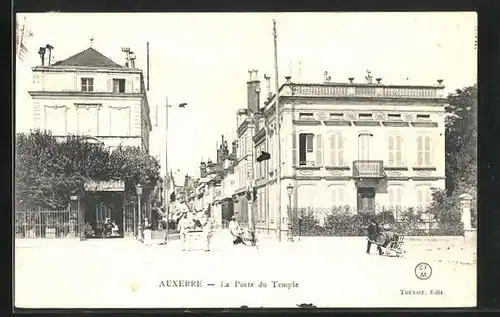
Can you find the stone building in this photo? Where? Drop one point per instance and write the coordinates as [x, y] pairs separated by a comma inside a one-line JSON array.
[[89, 94], [362, 145]]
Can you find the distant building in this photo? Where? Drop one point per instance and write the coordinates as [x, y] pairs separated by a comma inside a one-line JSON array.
[[243, 166], [363, 145], [89, 94]]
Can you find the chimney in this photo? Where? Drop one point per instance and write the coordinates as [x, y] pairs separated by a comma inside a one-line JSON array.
[[49, 48], [132, 59], [203, 169], [41, 52], [267, 78], [253, 91]]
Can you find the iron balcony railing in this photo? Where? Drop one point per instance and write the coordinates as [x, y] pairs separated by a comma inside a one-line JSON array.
[[368, 169]]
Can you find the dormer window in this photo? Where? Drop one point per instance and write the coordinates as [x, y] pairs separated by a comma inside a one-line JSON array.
[[365, 116], [394, 116], [87, 84], [423, 117], [118, 85]]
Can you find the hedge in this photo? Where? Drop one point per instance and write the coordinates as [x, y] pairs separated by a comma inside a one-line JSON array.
[[344, 222]]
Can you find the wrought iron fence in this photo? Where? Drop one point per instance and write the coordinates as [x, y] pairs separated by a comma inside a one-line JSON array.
[[43, 223], [345, 222]]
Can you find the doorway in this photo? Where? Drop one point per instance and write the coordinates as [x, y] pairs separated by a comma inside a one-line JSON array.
[[366, 199], [98, 208]]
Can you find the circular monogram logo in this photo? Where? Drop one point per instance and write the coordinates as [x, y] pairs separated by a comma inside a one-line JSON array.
[[423, 271]]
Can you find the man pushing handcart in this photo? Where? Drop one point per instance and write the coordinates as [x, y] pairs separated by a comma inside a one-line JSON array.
[[388, 243]]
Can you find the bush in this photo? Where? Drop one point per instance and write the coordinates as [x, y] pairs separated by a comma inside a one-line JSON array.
[[341, 221]]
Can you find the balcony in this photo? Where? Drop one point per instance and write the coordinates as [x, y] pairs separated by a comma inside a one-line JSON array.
[[368, 169]]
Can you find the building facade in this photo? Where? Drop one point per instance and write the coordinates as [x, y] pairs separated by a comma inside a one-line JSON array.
[[244, 159], [361, 146], [89, 94]]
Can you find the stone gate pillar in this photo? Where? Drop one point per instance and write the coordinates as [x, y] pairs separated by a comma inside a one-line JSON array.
[[469, 232], [465, 204]]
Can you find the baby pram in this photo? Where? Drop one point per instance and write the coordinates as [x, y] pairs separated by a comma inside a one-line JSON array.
[[391, 243]]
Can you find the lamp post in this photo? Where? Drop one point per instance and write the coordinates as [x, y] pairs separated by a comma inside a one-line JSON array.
[[289, 189], [138, 190]]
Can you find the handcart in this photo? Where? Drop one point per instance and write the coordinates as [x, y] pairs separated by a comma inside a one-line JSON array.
[[392, 243]]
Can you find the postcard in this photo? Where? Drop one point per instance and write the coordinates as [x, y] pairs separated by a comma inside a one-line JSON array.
[[201, 160]]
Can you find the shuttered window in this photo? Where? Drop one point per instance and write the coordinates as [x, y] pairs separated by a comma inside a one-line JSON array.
[[396, 151], [396, 199], [424, 196], [319, 150], [337, 193], [424, 151], [336, 149]]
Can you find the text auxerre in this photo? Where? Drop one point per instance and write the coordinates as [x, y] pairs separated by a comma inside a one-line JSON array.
[[181, 283]]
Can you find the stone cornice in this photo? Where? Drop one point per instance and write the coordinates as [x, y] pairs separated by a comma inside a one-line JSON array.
[[73, 69], [89, 95]]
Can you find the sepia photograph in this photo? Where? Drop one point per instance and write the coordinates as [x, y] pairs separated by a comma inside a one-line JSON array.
[[255, 160]]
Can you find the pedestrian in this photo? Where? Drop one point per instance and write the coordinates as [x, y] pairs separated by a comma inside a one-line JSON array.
[[147, 232], [184, 226], [236, 231], [372, 231], [208, 228]]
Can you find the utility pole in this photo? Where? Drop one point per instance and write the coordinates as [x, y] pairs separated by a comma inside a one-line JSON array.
[[167, 183], [278, 125]]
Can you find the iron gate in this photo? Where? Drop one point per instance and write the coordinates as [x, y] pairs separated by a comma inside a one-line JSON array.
[[48, 223]]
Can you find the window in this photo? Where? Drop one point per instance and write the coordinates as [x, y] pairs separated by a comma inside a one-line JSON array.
[[396, 200], [364, 144], [365, 116], [337, 195], [424, 196], [336, 116], [120, 121], [306, 115], [424, 151], [118, 85], [394, 117], [88, 119], [55, 120], [395, 151], [336, 149], [306, 149], [87, 84], [423, 117]]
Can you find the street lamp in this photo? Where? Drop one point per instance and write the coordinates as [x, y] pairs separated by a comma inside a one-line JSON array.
[[289, 189], [138, 190]]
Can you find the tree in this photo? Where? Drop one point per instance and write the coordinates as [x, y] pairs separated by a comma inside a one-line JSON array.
[[461, 141], [461, 156], [134, 166], [48, 172]]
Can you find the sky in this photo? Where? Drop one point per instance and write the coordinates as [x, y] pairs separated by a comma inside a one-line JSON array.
[[203, 58]]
